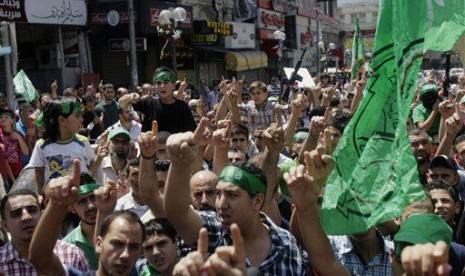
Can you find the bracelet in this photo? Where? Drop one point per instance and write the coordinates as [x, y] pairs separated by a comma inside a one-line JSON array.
[[148, 157]]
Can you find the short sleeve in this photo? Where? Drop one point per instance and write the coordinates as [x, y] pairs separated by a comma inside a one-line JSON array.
[[418, 115], [37, 158]]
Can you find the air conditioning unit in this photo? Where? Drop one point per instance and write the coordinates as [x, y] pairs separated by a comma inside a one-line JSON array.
[[48, 56]]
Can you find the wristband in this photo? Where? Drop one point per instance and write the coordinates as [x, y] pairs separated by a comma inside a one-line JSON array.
[[148, 157]]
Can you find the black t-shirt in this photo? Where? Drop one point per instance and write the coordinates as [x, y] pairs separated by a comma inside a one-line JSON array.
[[88, 117], [174, 118]]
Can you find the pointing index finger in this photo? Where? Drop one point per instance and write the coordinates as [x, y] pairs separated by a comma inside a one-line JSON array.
[[201, 128], [202, 246], [154, 128], [76, 172]]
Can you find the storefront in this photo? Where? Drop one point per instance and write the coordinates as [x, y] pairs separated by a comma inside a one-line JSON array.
[[47, 39], [109, 23]]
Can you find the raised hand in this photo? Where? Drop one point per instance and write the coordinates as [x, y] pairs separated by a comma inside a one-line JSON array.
[[273, 138], [106, 197], [426, 259], [148, 142], [318, 124], [182, 148], [102, 150], [64, 191], [459, 96], [122, 186], [446, 108], [192, 264], [203, 134], [222, 134], [54, 86], [319, 163], [228, 260], [304, 190], [223, 86]]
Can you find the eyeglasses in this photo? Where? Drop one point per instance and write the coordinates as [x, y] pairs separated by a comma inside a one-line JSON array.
[[235, 140]]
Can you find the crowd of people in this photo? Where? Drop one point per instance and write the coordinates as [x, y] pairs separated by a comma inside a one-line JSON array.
[[223, 180]]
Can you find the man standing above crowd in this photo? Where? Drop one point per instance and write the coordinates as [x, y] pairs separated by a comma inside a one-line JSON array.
[[172, 115]]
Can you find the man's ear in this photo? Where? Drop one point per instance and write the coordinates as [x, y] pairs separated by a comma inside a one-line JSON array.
[[98, 245], [258, 202], [4, 225], [457, 207]]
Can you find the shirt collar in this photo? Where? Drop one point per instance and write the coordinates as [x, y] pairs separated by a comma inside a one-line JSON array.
[[347, 246], [9, 253]]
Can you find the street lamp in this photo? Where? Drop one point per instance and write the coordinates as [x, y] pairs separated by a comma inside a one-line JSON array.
[[326, 52], [280, 36], [168, 23]]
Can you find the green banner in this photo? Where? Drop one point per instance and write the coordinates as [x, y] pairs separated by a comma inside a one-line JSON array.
[[358, 58], [23, 86], [376, 175]]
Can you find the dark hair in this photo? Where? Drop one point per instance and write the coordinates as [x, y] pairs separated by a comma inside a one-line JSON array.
[[240, 129], [86, 178], [316, 111], [160, 226], [13, 194], [163, 136], [7, 111], [87, 98], [108, 86], [339, 121], [53, 111], [441, 185], [334, 102], [235, 150], [417, 131], [251, 168], [133, 163], [162, 165], [129, 216]]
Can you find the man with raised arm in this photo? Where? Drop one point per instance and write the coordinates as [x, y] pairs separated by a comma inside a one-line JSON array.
[[241, 193]]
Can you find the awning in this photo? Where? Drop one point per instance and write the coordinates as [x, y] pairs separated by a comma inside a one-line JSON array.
[[246, 60]]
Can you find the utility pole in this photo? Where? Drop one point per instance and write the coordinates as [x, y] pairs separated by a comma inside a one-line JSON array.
[[317, 10], [132, 46], [5, 32]]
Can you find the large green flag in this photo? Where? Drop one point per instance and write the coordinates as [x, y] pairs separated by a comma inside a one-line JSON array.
[[375, 175], [23, 86], [358, 59]]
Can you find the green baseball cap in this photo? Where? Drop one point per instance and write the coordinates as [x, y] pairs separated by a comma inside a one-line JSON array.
[[428, 88], [119, 130], [420, 229]]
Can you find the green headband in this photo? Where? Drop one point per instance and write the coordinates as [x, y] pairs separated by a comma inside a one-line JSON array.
[[242, 178], [164, 76], [87, 188], [300, 135], [66, 108], [40, 120]]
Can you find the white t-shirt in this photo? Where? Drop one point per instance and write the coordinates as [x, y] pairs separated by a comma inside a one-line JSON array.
[[57, 158]]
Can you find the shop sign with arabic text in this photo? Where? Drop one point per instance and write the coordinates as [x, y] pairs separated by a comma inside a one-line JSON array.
[[57, 12]]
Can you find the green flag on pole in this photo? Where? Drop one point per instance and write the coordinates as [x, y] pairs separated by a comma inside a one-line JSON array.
[[376, 175], [23, 86], [358, 59]]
